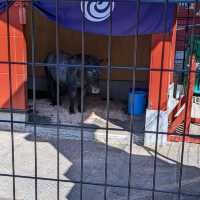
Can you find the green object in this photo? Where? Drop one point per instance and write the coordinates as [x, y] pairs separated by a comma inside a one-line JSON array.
[[196, 49], [197, 85], [195, 40]]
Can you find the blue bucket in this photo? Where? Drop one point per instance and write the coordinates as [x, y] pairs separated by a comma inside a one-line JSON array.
[[137, 105]]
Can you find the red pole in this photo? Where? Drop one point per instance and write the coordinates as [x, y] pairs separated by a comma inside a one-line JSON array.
[[155, 64], [191, 82]]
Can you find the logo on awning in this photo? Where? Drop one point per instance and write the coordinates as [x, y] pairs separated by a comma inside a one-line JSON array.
[[97, 11]]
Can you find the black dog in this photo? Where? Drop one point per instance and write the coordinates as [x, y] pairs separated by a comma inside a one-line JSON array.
[[69, 73]]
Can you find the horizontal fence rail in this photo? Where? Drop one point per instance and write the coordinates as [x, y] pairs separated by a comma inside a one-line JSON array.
[[32, 64]]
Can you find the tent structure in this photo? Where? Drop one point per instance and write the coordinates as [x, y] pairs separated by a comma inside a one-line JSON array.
[[124, 21]]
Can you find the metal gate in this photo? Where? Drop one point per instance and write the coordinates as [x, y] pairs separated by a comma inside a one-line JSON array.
[[109, 67]]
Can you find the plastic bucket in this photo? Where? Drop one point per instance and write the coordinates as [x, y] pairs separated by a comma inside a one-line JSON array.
[[137, 102]]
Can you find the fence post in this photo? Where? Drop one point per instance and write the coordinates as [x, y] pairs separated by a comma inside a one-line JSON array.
[[156, 68], [18, 54]]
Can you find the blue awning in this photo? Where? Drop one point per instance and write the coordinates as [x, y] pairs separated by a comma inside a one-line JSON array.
[[97, 15], [4, 4]]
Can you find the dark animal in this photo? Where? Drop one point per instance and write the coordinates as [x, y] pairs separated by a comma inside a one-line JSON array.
[[69, 74]]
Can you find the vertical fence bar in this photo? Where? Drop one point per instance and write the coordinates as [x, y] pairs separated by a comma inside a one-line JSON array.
[[182, 72], [132, 96], [109, 71], [185, 129], [57, 99], [185, 40], [11, 98], [34, 91], [159, 96], [82, 94], [108, 96]]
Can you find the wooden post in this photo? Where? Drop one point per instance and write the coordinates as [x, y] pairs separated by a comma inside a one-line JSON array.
[[156, 80], [18, 54], [191, 82], [156, 64]]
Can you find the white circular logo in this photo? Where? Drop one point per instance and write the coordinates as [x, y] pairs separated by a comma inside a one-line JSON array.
[[97, 11]]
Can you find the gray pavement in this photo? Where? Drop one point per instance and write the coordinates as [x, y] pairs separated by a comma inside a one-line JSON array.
[[167, 176]]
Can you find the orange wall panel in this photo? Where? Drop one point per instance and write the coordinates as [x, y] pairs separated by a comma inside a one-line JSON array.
[[157, 78], [17, 54], [4, 93]]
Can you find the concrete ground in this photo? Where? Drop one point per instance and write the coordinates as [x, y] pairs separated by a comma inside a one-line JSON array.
[[167, 173]]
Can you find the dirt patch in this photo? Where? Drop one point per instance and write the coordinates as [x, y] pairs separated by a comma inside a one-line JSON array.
[[95, 113]]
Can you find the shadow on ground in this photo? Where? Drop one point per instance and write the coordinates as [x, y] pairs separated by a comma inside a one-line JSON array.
[[167, 173]]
